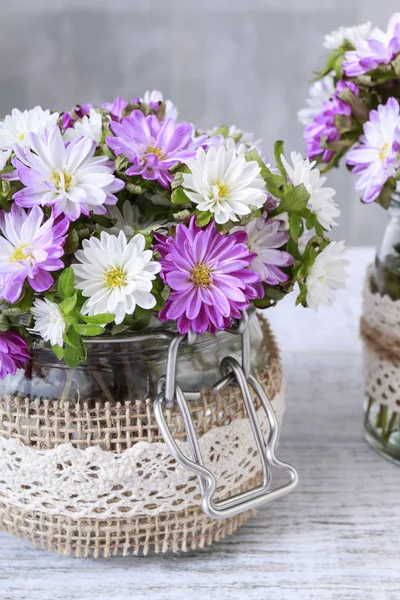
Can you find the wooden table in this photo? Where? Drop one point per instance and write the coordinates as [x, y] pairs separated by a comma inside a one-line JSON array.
[[336, 537]]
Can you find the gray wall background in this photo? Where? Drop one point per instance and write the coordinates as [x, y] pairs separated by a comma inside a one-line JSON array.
[[246, 62]]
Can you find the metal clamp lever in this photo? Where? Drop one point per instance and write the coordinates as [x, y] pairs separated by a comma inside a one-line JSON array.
[[231, 370]]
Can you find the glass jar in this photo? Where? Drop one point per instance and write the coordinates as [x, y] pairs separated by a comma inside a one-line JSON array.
[[118, 370], [382, 421]]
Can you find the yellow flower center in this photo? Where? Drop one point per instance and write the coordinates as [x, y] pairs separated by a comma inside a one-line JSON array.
[[115, 277], [61, 181], [201, 275], [19, 253], [222, 189], [21, 137], [384, 151], [156, 151]]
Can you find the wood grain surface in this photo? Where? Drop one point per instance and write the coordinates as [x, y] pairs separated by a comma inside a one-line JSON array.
[[336, 537]]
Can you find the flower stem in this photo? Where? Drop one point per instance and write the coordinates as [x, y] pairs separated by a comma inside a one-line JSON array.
[[67, 387]]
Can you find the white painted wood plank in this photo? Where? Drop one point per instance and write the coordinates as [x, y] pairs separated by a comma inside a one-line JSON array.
[[336, 537]]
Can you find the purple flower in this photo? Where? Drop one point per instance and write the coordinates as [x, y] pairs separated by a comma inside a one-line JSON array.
[[70, 178], [379, 48], [30, 249], [80, 111], [323, 126], [264, 239], [153, 147], [152, 99], [377, 157], [13, 353], [209, 277], [116, 108]]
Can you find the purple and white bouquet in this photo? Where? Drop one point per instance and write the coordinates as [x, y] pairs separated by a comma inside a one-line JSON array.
[[116, 216], [353, 109]]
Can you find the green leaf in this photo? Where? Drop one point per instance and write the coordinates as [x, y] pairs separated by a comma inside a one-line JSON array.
[[223, 130], [101, 319], [75, 351], [88, 329], [358, 108], [72, 242], [385, 197], [275, 183], [25, 302], [58, 351], [278, 151], [132, 188], [67, 305], [66, 283], [117, 329], [203, 218], [396, 65], [293, 201], [179, 197], [332, 63], [295, 226]]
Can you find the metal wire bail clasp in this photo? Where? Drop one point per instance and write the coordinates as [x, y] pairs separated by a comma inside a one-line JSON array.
[[168, 392]]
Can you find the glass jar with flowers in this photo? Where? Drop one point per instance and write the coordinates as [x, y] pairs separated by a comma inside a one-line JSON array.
[[132, 247], [353, 114]]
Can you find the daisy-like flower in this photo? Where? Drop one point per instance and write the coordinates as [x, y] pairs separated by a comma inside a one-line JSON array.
[[16, 127], [320, 91], [13, 353], [129, 220], [209, 277], [377, 157], [379, 48], [224, 184], [264, 238], [153, 147], [4, 157], [323, 127], [30, 249], [321, 198], [327, 274], [154, 99], [115, 108], [353, 35], [243, 141], [115, 275], [49, 321], [89, 126], [69, 178]]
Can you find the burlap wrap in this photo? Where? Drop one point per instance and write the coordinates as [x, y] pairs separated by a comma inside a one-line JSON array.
[[43, 425]]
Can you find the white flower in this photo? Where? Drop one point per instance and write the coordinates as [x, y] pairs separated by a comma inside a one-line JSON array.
[[336, 38], [71, 179], [129, 220], [224, 184], [152, 98], [321, 198], [89, 126], [4, 156], [242, 141], [49, 321], [15, 127], [115, 275], [319, 93], [326, 275]]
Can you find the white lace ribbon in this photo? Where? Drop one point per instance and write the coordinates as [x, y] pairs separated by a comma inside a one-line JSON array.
[[143, 480], [382, 377]]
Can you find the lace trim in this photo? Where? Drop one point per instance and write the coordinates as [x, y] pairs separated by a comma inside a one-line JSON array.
[[382, 376], [143, 480]]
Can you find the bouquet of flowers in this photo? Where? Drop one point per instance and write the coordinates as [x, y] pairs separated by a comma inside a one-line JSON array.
[[353, 109], [112, 217]]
